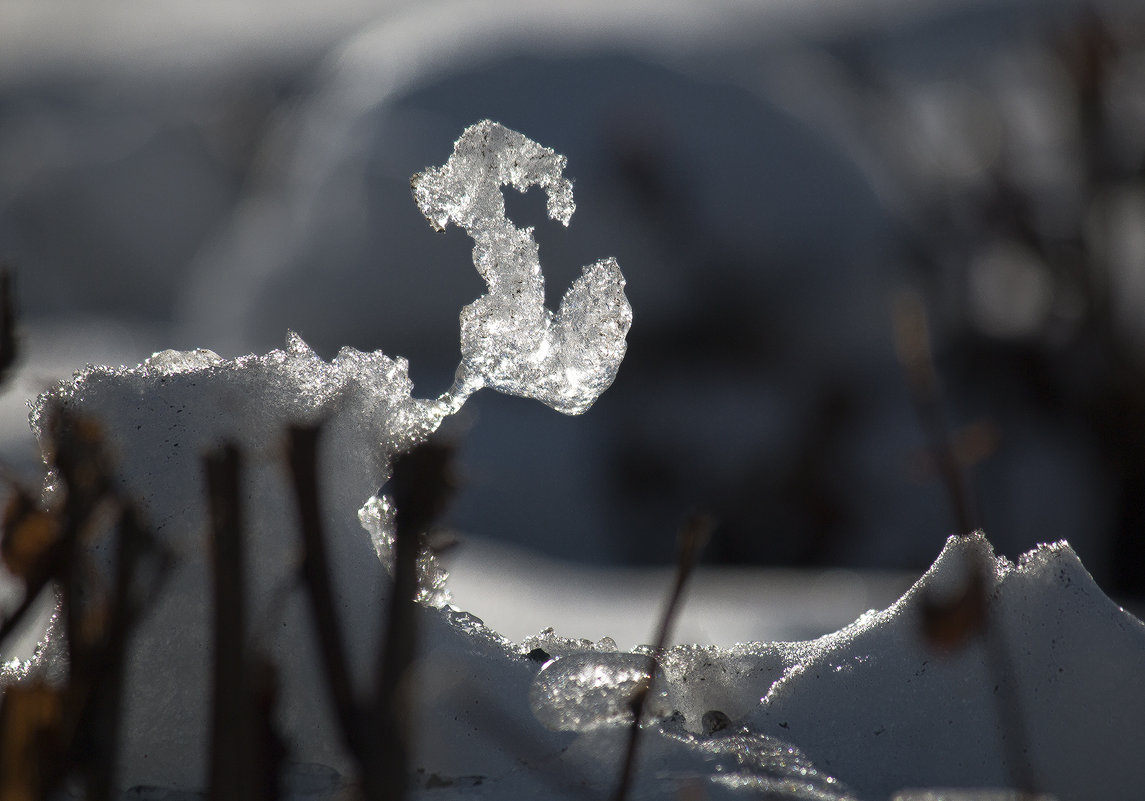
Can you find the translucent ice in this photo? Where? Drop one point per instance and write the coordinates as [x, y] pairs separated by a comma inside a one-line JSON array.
[[587, 690], [509, 340]]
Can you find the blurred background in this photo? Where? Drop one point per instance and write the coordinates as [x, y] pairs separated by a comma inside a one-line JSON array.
[[770, 175]]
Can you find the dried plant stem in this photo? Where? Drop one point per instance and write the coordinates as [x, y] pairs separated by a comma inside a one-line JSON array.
[[103, 715], [421, 486], [392, 691], [912, 339], [98, 616], [373, 729], [967, 616], [230, 719], [693, 536], [303, 458]]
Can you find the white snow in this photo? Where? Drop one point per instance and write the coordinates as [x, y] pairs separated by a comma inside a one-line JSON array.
[[861, 713]]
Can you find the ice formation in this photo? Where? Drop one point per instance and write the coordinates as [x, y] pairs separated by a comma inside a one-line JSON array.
[[862, 713], [509, 340]]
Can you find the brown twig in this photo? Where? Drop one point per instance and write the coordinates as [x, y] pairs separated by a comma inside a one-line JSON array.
[[84, 733], [421, 486], [912, 340], [9, 343], [102, 718], [230, 768], [695, 533], [372, 730], [951, 623], [303, 457]]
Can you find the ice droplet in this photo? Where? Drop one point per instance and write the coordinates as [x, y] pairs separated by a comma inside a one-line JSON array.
[[509, 340], [585, 691]]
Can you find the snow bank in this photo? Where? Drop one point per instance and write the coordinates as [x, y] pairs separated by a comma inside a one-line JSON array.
[[162, 417]]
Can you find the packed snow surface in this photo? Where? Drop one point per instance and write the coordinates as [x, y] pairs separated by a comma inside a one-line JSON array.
[[866, 712]]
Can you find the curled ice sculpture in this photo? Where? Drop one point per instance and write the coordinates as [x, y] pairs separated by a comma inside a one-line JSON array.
[[509, 340]]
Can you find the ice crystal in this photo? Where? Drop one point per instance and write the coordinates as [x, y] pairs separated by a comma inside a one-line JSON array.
[[509, 340], [584, 691]]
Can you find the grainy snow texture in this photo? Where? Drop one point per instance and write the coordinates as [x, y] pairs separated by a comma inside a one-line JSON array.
[[161, 418], [862, 713]]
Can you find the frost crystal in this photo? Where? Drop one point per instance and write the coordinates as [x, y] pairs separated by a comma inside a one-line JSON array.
[[509, 340]]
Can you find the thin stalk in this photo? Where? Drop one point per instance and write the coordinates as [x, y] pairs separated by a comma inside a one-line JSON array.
[[421, 486], [303, 459], [969, 613], [912, 339], [230, 719], [693, 536]]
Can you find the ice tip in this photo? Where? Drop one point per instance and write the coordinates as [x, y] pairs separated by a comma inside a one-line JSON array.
[[296, 345]]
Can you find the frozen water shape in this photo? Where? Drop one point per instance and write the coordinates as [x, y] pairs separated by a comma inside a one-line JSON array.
[[588, 690], [509, 340]]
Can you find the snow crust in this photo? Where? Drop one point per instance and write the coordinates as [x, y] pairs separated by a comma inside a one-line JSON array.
[[162, 417], [861, 713]]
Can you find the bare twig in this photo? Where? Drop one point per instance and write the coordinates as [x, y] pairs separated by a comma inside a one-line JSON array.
[[912, 339], [373, 730], [246, 750], [32, 741], [102, 717], [230, 777], [9, 344], [421, 486], [303, 456], [98, 618], [951, 623], [693, 536]]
